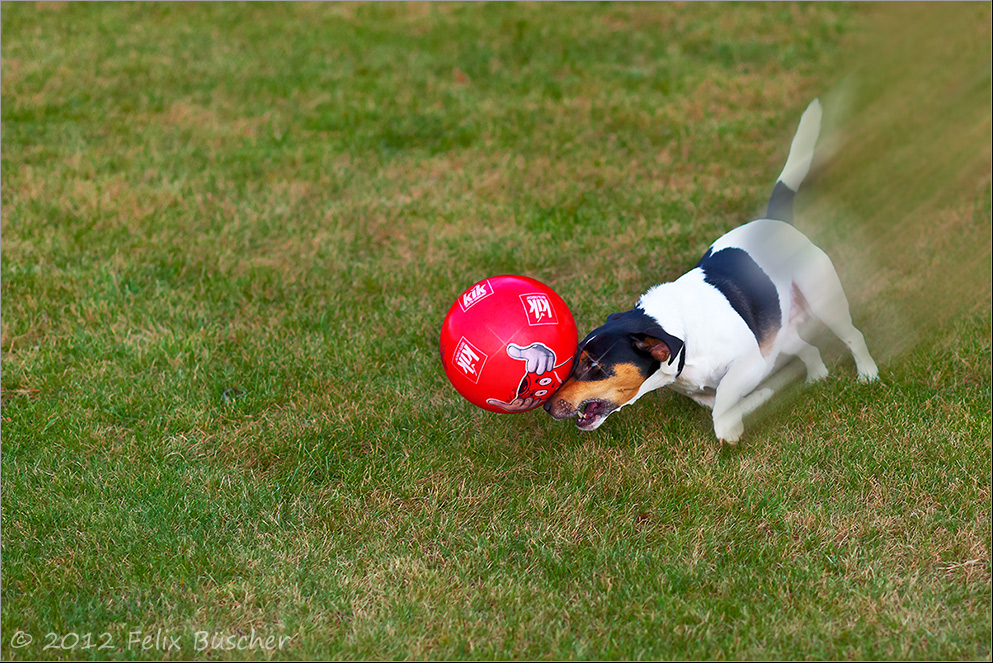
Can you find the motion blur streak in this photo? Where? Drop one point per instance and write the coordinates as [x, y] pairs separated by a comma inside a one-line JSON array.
[[900, 197]]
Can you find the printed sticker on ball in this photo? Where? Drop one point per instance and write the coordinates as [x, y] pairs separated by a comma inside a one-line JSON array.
[[539, 309], [475, 294], [469, 359]]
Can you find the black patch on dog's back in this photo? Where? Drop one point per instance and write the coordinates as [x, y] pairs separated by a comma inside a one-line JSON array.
[[747, 288]]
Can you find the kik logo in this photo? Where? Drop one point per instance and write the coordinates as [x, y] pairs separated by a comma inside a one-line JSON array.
[[469, 359], [539, 309], [475, 294]]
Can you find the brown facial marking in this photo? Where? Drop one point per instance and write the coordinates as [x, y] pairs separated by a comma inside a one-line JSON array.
[[617, 389]]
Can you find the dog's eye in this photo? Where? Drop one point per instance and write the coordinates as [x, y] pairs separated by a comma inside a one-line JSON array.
[[589, 369]]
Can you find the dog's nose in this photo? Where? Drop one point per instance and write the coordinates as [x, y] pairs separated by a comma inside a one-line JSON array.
[[548, 406]]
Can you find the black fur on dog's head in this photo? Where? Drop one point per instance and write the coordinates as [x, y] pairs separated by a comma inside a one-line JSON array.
[[611, 365]]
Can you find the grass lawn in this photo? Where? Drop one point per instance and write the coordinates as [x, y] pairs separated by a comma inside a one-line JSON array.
[[230, 234]]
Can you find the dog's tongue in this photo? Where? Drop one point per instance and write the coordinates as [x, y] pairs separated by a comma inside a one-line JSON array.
[[589, 414]]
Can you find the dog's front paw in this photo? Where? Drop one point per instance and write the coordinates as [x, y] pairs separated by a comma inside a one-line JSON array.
[[728, 428]]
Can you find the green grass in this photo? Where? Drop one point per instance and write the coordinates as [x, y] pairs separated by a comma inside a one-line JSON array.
[[230, 234]]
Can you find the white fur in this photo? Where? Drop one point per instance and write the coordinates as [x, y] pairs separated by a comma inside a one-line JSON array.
[[802, 147]]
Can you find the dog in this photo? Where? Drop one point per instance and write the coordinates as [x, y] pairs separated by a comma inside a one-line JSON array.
[[714, 334]]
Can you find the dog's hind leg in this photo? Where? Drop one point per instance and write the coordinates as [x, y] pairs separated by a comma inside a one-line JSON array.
[[808, 354], [820, 286]]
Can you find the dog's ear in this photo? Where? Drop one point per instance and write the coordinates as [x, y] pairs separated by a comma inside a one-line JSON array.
[[648, 337], [655, 347]]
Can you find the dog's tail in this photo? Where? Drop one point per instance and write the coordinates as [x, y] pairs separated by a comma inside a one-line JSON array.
[[797, 164]]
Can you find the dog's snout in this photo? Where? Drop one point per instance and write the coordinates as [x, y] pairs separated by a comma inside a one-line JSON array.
[[559, 408]]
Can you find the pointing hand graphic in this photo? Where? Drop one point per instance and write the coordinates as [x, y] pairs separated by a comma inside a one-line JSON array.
[[517, 405], [538, 357]]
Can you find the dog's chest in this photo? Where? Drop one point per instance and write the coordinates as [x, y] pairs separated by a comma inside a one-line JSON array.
[[699, 380], [692, 384], [697, 390]]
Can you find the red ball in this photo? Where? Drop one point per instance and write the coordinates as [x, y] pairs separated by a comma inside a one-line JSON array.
[[508, 343]]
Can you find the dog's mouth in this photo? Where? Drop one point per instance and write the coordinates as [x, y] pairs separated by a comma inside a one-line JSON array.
[[592, 412]]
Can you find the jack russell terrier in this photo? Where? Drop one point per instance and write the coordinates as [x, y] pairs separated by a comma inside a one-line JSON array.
[[714, 333]]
